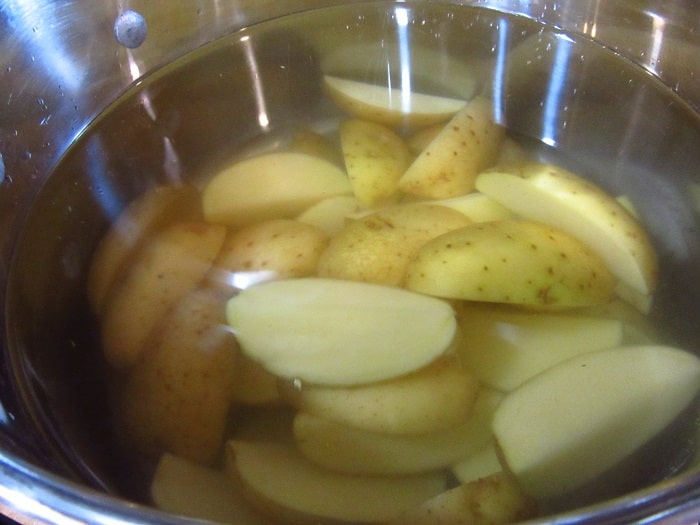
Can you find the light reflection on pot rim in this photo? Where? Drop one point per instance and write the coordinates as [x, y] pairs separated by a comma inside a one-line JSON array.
[[66, 502]]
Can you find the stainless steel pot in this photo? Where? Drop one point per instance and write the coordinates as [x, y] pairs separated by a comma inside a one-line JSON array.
[[62, 65]]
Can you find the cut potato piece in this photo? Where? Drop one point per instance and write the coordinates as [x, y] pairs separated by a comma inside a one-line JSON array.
[[254, 385], [555, 196], [448, 166], [515, 262], [377, 248], [286, 247], [330, 215], [284, 484], [433, 398], [271, 186], [155, 209], [183, 487], [317, 145], [335, 332], [477, 207], [506, 347], [580, 418], [351, 450], [389, 106], [493, 500], [375, 159], [481, 464], [176, 397], [171, 264]]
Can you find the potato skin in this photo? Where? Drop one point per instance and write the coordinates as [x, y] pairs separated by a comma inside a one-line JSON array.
[[287, 247], [513, 262], [378, 247]]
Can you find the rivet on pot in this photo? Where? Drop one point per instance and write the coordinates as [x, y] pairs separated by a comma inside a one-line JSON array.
[[130, 29]]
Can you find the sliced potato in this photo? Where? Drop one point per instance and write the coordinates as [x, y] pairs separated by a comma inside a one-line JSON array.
[[555, 196], [286, 247], [493, 500], [336, 332], [484, 462], [433, 398], [375, 159], [285, 485], [180, 486], [253, 385], [156, 208], [514, 262], [312, 143], [578, 419], [507, 347], [176, 398], [330, 215], [477, 207], [271, 186], [389, 106], [377, 248], [448, 166], [343, 448], [171, 264]]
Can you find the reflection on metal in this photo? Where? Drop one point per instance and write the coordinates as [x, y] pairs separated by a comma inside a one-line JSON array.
[[259, 94], [499, 70], [557, 83], [401, 14]]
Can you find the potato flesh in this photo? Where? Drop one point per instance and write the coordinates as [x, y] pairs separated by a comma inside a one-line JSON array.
[[579, 418], [307, 329]]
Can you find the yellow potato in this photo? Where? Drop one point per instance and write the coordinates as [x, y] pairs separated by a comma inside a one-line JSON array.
[[514, 262], [389, 106], [377, 248], [433, 398], [555, 196], [180, 486], [330, 215], [351, 450], [333, 332], [254, 385], [484, 462], [477, 207], [272, 186], [448, 166], [317, 145], [171, 264], [493, 500], [419, 140], [282, 483], [153, 210], [176, 398], [286, 247], [375, 159]]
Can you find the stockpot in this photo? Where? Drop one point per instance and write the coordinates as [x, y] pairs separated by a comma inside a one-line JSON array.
[[64, 62]]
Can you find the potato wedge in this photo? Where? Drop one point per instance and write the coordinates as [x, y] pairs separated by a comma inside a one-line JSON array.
[[154, 209], [253, 385], [448, 166], [271, 186], [389, 106], [171, 264], [351, 450], [493, 500], [182, 487], [176, 398], [505, 347], [284, 484], [334, 332], [513, 262], [330, 215], [375, 159], [555, 196], [436, 397], [286, 247], [317, 145], [377, 248], [580, 418], [477, 207], [484, 462]]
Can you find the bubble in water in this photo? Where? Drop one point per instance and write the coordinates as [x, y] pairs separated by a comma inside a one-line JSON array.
[[130, 29]]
